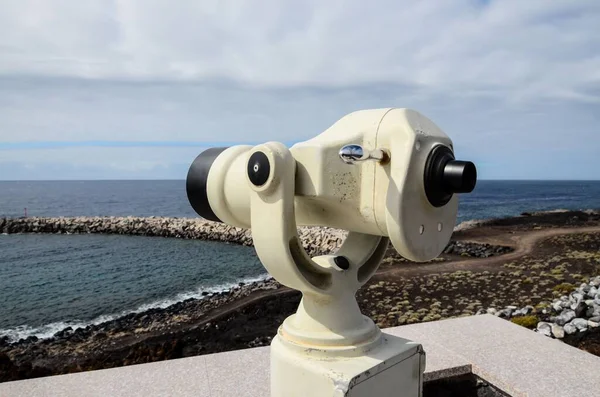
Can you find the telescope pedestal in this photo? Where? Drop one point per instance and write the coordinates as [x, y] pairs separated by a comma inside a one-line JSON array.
[[393, 367]]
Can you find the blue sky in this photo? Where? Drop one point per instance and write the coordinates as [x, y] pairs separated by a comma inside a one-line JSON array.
[[136, 89]]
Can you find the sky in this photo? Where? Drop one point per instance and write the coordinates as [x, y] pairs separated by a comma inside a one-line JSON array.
[[135, 89]]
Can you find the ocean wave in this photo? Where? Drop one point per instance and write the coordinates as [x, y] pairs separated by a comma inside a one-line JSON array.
[[47, 331], [466, 225]]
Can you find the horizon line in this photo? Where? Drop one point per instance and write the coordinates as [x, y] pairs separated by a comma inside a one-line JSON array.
[[183, 180], [24, 145]]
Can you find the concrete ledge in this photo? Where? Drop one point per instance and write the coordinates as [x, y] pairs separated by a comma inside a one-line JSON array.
[[516, 360]]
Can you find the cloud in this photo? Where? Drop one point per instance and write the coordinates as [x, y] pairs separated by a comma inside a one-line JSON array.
[[515, 84], [534, 48]]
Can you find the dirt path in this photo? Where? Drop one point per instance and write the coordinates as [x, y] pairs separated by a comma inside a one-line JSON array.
[[523, 243]]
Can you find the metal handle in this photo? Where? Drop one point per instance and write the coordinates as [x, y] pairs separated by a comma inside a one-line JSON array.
[[351, 154]]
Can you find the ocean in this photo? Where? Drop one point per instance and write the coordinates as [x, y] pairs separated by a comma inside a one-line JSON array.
[[49, 282]]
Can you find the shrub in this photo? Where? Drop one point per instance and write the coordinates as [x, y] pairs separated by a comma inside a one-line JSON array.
[[557, 270], [564, 288], [526, 321]]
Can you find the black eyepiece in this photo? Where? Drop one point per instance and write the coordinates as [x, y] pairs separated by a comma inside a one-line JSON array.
[[445, 176], [196, 181], [460, 176]]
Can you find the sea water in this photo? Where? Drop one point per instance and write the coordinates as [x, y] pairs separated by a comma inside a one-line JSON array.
[[48, 282]]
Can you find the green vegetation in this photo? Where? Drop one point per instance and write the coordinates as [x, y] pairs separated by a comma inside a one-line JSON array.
[[526, 321], [564, 288]]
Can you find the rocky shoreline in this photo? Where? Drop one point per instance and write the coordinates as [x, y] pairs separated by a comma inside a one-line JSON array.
[[154, 320], [577, 311], [401, 293]]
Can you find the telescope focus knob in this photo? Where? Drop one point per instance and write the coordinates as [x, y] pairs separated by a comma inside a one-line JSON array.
[[351, 154]]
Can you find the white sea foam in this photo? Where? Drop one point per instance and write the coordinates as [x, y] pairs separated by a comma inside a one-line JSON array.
[[48, 330], [466, 225]]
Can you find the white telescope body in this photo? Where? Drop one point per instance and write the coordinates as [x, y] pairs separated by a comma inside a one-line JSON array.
[[383, 175], [385, 198]]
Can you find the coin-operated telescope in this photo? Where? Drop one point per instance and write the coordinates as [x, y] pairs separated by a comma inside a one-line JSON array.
[[383, 175]]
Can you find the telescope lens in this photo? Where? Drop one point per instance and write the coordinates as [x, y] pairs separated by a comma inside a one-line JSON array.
[[196, 183], [445, 176]]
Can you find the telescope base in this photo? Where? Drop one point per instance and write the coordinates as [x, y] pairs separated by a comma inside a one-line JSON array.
[[393, 368]]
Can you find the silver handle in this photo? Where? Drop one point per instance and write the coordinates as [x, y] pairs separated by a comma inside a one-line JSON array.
[[351, 154]]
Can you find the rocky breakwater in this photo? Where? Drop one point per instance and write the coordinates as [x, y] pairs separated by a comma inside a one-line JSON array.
[[316, 240]]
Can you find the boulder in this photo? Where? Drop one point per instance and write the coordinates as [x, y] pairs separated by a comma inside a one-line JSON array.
[[505, 313], [557, 331], [492, 311], [565, 317], [580, 309], [557, 306], [593, 324], [570, 329], [584, 287], [544, 328], [593, 310], [580, 323]]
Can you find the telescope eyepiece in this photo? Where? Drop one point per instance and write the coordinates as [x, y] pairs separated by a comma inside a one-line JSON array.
[[460, 176], [445, 176]]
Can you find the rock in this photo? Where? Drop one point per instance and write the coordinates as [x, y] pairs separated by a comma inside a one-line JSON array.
[[580, 323], [544, 328], [593, 310], [565, 317], [64, 333], [595, 319], [557, 331], [505, 313], [575, 298], [570, 329], [557, 306], [580, 309], [480, 312], [518, 312], [595, 282], [593, 324], [528, 310], [584, 287], [492, 311], [3, 341]]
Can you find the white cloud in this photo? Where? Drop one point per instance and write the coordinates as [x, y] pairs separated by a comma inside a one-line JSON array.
[[510, 81], [526, 48]]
